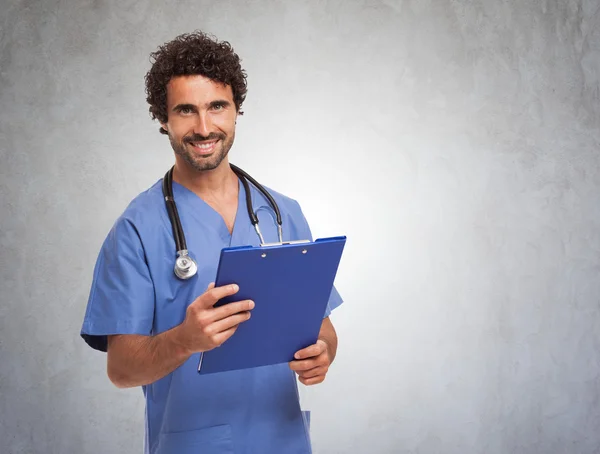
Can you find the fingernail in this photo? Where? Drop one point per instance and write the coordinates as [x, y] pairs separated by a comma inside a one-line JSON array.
[[235, 287], [251, 305]]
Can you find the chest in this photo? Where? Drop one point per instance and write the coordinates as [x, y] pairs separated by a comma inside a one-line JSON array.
[[207, 232], [227, 209]]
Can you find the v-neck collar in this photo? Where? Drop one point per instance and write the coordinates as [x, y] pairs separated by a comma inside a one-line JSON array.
[[202, 215], [206, 215]]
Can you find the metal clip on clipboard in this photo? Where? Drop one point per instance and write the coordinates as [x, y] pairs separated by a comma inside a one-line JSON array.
[[281, 243]]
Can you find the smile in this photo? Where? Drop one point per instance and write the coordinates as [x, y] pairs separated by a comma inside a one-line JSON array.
[[204, 147]]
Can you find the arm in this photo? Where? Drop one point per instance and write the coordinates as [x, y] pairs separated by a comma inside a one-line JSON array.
[[312, 363], [136, 360]]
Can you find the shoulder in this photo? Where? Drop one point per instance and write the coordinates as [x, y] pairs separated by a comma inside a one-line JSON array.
[[288, 206], [145, 205], [294, 222], [143, 212]]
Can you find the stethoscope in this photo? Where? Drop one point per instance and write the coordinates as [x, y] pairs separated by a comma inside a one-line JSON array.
[[186, 266]]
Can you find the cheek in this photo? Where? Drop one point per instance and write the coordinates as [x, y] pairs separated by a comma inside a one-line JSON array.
[[181, 128], [225, 123]]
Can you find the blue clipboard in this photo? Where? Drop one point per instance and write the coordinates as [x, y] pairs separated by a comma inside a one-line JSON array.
[[290, 284]]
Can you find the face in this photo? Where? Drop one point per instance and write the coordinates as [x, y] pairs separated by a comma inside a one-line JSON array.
[[201, 121]]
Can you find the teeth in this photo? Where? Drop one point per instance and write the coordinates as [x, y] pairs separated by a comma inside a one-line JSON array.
[[204, 146]]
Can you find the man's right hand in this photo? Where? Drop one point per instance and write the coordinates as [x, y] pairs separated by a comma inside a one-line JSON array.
[[206, 327]]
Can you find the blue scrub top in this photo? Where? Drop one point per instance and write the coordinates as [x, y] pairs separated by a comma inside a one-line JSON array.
[[134, 291]]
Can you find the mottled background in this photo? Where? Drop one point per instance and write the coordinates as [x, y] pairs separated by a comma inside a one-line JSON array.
[[456, 143]]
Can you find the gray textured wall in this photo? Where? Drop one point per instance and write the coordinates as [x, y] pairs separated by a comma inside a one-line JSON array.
[[456, 143]]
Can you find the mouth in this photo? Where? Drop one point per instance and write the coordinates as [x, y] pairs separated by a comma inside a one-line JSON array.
[[205, 147]]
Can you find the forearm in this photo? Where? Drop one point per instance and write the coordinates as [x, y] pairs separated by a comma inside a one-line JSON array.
[[135, 360], [329, 336]]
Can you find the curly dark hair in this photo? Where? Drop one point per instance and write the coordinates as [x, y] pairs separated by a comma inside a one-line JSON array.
[[194, 53]]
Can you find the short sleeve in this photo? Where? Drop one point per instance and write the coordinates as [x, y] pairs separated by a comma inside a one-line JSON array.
[[302, 232], [121, 299]]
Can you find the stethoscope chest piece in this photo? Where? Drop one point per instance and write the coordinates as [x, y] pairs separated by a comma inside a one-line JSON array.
[[185, 266]]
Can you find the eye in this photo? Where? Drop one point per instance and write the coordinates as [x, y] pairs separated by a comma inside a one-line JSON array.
[[218, 106], [185, 111]]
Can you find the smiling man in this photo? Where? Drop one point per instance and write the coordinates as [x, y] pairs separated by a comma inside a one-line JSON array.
[[153, 325]]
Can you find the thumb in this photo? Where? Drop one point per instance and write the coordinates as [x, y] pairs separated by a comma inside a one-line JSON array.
[[210, 286]]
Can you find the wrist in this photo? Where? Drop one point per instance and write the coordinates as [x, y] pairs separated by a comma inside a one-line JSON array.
[[178, 340]]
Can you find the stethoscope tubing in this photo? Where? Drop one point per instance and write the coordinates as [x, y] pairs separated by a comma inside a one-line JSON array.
[[180, 242]]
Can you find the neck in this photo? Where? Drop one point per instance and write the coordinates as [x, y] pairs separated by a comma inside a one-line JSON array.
[[206, 183]]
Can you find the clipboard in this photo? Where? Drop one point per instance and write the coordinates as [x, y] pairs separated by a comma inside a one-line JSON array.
[[290, 284]]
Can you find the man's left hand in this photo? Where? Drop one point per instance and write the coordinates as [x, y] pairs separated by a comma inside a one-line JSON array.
[[312, 363]]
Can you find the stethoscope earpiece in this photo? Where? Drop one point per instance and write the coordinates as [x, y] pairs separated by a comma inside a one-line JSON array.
[[186, 266]]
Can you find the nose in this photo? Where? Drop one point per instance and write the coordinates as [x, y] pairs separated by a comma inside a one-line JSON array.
[[203, 126]]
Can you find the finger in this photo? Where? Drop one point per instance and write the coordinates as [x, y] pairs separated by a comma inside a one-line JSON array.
[[220, 338], [312, 381], [307, 364], [317, 371], [227, 310], [227, 323], [311, 351], [310, 363], [217, 293], [212, 295], [210, 286]]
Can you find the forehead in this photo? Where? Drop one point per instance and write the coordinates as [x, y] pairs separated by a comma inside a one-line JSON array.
[[196, 90]]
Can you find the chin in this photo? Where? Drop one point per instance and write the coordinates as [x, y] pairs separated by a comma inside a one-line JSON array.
[[206, 164]]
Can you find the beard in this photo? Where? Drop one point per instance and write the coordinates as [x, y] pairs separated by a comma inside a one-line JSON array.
[[203, 162]]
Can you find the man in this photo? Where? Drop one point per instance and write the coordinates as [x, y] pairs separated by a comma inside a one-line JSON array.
[[153, 325]]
